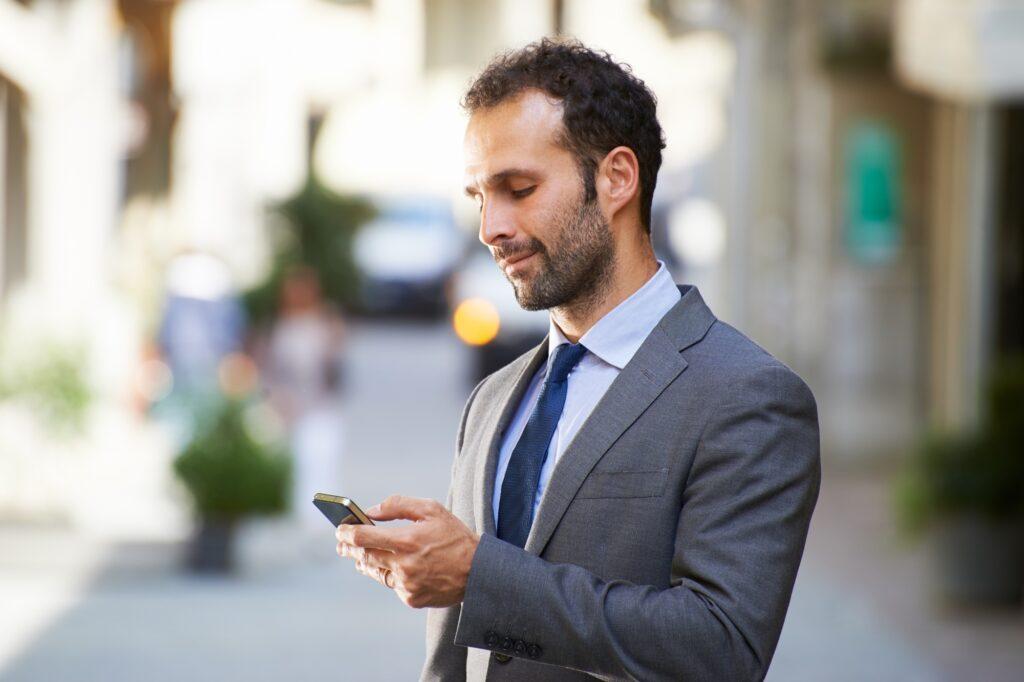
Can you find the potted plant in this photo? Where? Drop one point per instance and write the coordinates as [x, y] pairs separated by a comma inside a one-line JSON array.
[[230, 474], [967, 491]]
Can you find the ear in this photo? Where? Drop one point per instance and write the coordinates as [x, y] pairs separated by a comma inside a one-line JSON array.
[[618, 180]]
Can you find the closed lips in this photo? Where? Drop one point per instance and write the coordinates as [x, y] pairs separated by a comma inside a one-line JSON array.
[[512, 261]]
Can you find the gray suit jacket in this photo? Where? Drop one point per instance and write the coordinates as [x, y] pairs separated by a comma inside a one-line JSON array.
[[668, 540]]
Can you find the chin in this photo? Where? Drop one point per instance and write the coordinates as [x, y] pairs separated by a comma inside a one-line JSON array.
[[531, 305], [525, 301]]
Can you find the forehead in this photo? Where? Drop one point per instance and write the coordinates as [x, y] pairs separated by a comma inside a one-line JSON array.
[[519, 133]]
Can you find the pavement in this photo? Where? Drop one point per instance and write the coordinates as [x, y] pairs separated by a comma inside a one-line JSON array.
[[865, 605], [78, 607]]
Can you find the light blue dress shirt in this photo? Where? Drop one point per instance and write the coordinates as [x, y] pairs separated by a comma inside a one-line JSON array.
[[611, 344]]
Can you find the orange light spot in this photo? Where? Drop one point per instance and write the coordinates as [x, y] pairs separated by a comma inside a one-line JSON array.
[[476, 321]]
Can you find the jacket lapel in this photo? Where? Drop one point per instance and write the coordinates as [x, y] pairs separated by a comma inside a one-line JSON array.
[[497, 420], [654, 366]]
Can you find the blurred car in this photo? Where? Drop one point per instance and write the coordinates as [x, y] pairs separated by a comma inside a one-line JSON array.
[[406, 256], [487, 317]]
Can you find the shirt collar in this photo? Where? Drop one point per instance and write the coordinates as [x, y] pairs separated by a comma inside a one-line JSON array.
[[617, 336]]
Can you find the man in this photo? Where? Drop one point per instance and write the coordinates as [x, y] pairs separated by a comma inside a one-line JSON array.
[[630, 499]]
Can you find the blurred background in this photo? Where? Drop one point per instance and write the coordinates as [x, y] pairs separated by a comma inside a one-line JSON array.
[[236, 268]]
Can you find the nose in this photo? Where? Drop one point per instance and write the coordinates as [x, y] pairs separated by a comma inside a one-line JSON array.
[[496, 223]]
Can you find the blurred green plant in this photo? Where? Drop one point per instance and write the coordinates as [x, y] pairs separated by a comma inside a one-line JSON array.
[[980, 471], [229, 472], [52, 383], [316, 230]]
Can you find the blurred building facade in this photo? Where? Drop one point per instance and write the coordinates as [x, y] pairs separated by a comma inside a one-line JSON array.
[[838, 182], [884, 219], [976, 89]]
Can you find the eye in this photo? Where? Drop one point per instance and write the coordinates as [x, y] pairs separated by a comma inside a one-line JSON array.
[[522, 193]]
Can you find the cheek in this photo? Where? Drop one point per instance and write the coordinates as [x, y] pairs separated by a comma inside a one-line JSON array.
[[544, 220], [551, 227]]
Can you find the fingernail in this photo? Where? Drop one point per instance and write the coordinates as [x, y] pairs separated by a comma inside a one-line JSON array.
[[375, 509]]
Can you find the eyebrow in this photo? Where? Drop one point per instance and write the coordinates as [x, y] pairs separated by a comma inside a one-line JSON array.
[[498, 178]]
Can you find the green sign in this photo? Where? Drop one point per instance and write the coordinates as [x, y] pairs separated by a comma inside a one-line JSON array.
[[874, 193]]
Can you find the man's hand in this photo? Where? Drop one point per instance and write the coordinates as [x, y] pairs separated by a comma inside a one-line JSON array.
[[429, 559]]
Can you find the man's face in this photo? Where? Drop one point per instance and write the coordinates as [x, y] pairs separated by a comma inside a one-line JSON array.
[[553, 246]]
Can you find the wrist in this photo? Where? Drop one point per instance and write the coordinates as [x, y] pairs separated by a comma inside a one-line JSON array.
[[467, 563]]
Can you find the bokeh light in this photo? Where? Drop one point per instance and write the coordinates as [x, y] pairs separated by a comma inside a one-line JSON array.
[[476, 321]]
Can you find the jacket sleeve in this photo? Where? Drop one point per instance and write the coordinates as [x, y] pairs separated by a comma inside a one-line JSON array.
[[746, 508], [444, 660]]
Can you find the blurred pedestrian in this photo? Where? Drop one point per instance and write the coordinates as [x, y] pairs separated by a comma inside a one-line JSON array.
[[304, 379], [202, 322]]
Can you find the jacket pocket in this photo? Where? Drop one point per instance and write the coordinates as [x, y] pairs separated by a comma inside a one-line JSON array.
[[605, 484]]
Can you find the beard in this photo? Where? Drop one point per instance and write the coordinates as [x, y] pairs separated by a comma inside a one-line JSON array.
[[574, 269]]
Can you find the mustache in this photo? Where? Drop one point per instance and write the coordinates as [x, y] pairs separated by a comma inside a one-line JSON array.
[[512, 250]]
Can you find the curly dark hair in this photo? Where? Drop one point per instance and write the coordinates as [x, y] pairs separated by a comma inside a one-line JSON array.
[[603, 105]]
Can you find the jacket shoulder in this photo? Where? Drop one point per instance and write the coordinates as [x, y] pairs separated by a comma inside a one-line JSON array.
[[735, 360], [501, 378]]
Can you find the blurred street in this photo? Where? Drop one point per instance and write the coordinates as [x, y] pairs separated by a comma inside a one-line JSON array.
[[82, 610], [296, 611]]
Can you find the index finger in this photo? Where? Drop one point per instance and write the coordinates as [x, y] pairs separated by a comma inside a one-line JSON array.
[[401, 507], [373, 537]]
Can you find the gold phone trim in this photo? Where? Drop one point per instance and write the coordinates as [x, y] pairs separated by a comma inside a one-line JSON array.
[[348, 504]]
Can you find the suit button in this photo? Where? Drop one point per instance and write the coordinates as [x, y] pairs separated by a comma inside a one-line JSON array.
[[520, 647], [507, 644], [533, 651], [491, 639], [502, 658]]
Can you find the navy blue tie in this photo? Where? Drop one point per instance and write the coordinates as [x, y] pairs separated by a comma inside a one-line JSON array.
[[518, 489]]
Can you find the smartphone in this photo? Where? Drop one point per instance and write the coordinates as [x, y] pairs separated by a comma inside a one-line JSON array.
[[339, 510]]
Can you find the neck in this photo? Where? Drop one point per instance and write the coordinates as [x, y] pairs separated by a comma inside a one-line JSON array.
[[628, 275]]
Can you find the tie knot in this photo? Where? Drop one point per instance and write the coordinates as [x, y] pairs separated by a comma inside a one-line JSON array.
[[566, 357]]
